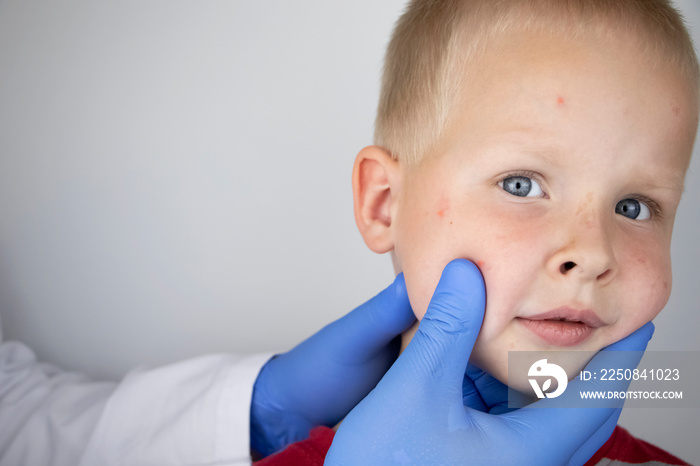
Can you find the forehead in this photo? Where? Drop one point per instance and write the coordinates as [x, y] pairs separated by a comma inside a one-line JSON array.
[[599, 95]]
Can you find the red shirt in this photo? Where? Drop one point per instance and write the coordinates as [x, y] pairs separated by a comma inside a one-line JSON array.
[[620, 449]]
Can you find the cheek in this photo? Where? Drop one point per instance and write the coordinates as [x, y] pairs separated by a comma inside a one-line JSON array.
[[428, 239], [422, 246], [645, 276], [423, 262], [512, 266], [511, 247], [506, 248]]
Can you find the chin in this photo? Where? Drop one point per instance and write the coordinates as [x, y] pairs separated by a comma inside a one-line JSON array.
[[515, 372]]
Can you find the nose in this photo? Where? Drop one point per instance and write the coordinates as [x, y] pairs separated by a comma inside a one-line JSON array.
[[586, 251]]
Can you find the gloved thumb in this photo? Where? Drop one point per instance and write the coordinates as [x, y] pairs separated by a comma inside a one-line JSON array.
[[446, 335]]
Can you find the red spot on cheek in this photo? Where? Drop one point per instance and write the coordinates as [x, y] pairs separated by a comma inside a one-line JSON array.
[[480, 264], [443, 206], [560, 100]]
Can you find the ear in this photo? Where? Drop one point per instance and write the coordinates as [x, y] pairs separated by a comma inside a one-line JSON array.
[[375, 185]]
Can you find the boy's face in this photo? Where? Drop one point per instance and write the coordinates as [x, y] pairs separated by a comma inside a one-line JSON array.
[[560, 179]]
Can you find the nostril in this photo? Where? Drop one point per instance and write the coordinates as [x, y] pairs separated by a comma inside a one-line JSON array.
[[566, 266]]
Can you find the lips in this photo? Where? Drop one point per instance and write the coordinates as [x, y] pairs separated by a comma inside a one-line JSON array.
[[563, 326]]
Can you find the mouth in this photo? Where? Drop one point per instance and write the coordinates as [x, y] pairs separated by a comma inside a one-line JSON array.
[[563, 326]]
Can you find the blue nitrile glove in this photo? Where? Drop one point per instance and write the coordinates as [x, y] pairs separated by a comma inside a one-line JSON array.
[[323, 378], [416, 414]]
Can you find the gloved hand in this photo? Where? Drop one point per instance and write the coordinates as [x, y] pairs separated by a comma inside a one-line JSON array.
[[417, 413], [323, 378]]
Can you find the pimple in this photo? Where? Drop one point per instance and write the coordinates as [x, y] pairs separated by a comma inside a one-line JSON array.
[[443, 205], [560, 101], [480, 264]]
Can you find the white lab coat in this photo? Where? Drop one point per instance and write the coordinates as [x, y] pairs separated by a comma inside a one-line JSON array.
[[195, 412]]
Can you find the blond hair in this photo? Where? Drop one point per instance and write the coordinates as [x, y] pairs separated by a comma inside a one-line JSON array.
[[434, 41]]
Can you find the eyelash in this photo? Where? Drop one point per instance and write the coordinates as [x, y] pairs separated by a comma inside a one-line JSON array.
[[527, 174], [654, 207]]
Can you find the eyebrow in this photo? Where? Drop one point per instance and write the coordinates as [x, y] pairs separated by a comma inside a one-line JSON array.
[[676, 183], [550, 155]]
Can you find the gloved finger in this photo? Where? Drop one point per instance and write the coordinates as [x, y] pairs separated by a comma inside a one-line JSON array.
[[471, 397], [492, 391], [358, 335], [595, 441], [578, 425], [447, 332]]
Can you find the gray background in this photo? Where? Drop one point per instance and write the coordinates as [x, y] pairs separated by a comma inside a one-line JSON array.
[[175, 180]]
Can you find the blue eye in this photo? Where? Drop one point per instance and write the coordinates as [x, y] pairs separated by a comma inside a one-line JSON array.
[[633, 209], [521, 186]]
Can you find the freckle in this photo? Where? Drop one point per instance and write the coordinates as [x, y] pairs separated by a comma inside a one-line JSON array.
[[450, 223], [581, 207], [665, 285], [676, 110], [584, 204]]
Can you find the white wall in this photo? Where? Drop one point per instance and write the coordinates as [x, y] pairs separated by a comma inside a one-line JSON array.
[[175, 180]]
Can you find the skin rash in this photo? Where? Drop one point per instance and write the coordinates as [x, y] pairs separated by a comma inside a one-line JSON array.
[[598, 137]]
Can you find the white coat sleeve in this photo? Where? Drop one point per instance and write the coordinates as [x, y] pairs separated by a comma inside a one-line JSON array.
[[194, 412]]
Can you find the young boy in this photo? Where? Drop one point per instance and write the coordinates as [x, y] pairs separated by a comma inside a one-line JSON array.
[[546, 141]]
